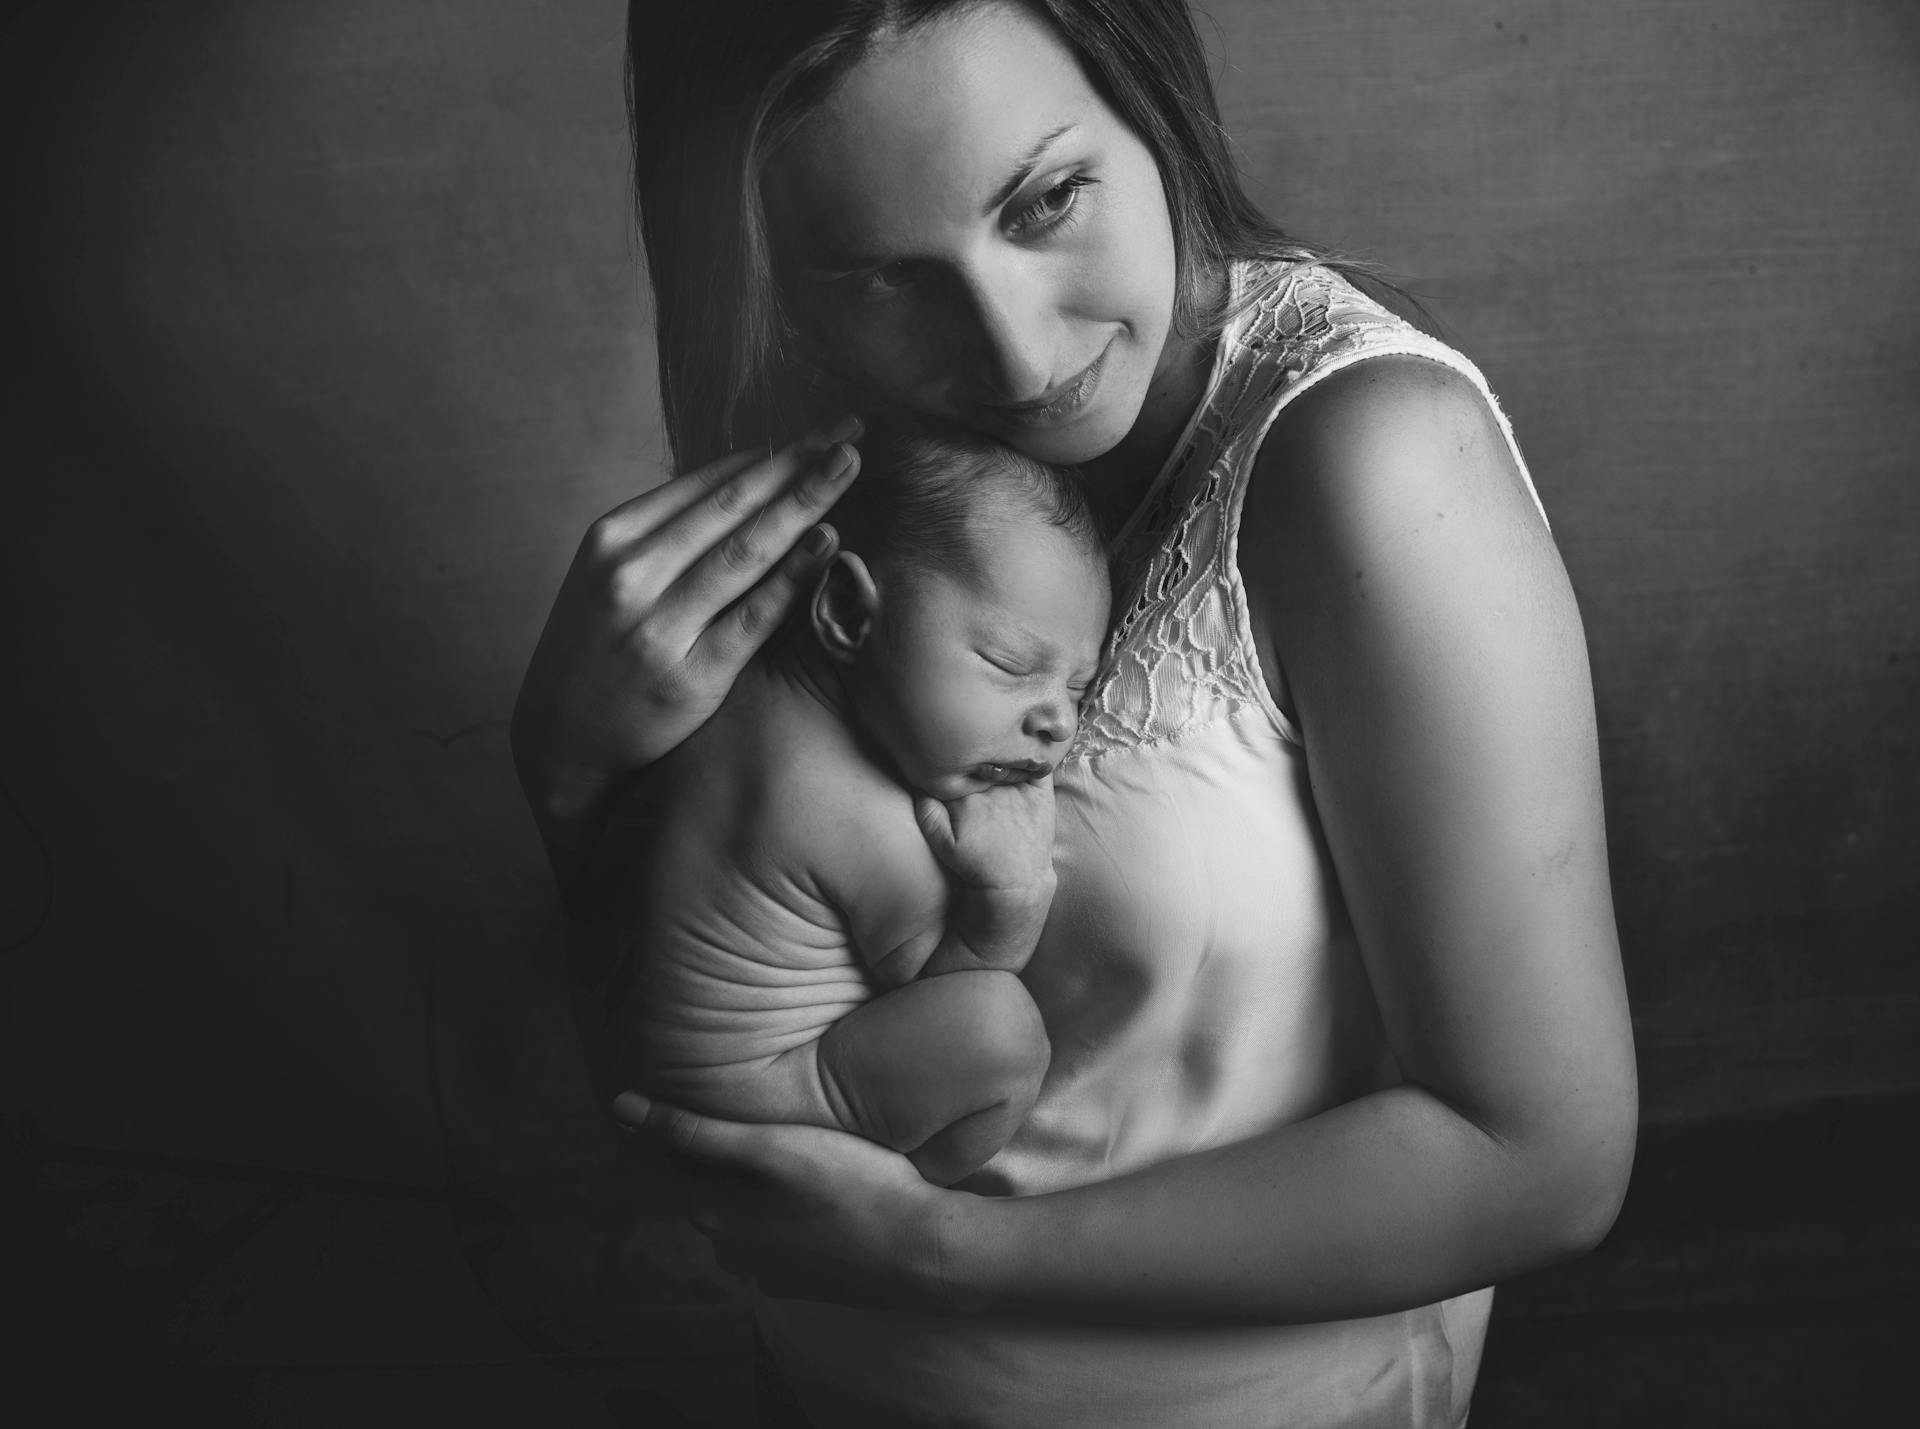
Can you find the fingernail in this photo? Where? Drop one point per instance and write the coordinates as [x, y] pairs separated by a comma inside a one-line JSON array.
[[847, 429], [819, 541], [835, 463], [630, 1110]]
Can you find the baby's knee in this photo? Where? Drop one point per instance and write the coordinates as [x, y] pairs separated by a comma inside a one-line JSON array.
[[1002, 1028]]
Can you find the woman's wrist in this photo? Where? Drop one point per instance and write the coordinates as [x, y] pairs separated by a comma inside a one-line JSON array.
[[564, 801], [567, 816], [978, 1238], [569, 828]]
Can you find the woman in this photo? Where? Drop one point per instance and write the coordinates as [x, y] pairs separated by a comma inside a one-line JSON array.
[[1332, 980]]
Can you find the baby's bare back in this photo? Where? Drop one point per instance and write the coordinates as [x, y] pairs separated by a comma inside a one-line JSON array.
[[732, 866]]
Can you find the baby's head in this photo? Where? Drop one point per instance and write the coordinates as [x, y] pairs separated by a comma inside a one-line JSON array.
[[967, 610]]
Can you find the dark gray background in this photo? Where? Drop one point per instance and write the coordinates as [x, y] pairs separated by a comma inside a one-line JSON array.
[[328, 340]]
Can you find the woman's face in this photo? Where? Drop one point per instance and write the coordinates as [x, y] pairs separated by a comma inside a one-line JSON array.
[[978, 237]]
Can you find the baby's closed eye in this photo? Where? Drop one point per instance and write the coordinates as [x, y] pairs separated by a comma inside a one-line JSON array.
[[1006, 665]]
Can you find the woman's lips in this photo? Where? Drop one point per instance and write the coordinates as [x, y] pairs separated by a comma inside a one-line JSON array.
[[1057, 405]]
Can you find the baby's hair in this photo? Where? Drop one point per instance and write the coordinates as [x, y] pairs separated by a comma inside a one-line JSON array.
[[923, 489]]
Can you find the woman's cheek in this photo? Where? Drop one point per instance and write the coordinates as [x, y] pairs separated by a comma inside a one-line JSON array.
[[893, 354], [1144, 271], [1131, 258]]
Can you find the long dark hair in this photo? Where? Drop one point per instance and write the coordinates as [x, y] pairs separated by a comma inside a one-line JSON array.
[[714, 87]]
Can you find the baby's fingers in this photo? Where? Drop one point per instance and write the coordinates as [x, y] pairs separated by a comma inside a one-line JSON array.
[[1038, 793], [936, 826]]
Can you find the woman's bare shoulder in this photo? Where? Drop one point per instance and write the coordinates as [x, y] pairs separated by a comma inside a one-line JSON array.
[[1373, 472], [1388, 430]]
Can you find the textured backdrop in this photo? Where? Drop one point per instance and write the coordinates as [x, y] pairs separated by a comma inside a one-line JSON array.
[[328, 340]]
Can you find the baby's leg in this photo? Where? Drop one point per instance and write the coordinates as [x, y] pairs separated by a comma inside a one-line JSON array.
[[944, 1069]]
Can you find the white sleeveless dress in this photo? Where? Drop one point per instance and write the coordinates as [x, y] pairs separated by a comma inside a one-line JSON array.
[[1199, 975]]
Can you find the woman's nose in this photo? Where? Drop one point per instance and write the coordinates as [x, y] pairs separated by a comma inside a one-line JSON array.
[[1013, 354]]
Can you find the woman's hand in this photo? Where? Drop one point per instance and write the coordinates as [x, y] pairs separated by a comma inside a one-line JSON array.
[[810, 1213], [668, 598]]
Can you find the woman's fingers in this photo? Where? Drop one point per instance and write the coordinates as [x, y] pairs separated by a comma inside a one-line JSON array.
[[731, 1144], [652, 509], [827, 1213], [742, 479], [694, 512], [729, 642], [724, 525], [741, 544]]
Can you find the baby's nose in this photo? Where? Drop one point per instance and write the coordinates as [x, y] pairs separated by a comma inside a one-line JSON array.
[[1055, 721]]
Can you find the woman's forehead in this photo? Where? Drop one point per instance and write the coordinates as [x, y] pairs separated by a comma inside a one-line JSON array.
[[928, 131]]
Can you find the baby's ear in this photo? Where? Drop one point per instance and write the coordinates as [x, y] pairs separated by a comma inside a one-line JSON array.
[[845, 604]]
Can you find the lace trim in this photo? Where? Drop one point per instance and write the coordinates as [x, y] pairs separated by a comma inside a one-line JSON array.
[[1181, 657]]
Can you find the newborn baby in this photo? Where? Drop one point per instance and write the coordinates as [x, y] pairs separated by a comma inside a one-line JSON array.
[[826, 894]]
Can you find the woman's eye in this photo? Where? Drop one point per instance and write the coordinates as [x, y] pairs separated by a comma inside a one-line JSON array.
[[887, 278], [1052, 207]]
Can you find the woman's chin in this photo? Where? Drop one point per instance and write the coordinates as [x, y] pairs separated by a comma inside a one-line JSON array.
[[1071, 441]]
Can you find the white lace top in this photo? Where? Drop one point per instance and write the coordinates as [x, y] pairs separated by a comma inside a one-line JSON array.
[[1198, 973]]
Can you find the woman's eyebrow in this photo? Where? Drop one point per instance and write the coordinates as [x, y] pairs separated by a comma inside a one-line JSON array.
[[829, 265], [1023, 171]]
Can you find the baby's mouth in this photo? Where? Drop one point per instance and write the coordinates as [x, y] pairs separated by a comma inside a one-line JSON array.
[[1018, 771]]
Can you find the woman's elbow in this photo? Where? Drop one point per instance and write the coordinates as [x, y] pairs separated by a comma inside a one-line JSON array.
[[1589, 1211], [1582, 1169]]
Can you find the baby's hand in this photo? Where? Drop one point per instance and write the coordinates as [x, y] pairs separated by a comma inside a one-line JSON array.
[[998, 845], [999, 840]]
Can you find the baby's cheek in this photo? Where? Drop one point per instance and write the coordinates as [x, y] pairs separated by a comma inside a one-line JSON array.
[[954, 717]]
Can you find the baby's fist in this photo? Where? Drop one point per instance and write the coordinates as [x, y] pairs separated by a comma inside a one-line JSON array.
[[998, 840]]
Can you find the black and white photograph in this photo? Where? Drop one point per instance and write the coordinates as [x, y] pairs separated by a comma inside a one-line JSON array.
[[961, 714]]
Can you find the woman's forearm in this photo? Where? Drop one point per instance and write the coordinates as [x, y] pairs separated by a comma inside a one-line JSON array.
[[1387, 1202]]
